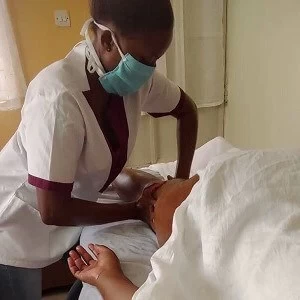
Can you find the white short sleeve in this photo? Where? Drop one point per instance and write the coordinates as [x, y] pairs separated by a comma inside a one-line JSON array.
[[164, 95], [54, 136]]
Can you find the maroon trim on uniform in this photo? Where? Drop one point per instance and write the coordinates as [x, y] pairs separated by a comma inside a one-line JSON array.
[[49, 185], [174, 112], [111, 117]]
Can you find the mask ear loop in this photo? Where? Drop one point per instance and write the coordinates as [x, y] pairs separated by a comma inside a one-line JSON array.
[[102, 27], [94, 63]]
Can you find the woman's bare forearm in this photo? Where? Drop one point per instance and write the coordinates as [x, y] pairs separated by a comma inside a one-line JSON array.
[[187, 129], [61, 210]]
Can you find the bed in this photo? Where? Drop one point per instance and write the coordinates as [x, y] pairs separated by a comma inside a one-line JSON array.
[[236, 237], [133, 241]]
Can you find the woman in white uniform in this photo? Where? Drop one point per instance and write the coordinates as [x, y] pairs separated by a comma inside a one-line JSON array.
[[79, 124]]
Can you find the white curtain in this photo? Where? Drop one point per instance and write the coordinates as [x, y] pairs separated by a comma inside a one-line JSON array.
[[196, 60], [12, 82]]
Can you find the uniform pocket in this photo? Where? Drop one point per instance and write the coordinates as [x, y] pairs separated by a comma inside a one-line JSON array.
[[23, 235]]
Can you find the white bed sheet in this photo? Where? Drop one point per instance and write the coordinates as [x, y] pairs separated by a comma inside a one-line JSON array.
[[237, 236], [133, 242]]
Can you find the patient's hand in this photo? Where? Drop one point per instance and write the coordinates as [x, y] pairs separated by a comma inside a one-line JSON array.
[[89, 270], [104, 272]]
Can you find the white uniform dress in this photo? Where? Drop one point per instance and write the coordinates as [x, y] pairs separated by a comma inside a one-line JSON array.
[[64, 144]]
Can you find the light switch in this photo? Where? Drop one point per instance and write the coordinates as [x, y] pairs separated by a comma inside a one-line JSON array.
[[62, 18]]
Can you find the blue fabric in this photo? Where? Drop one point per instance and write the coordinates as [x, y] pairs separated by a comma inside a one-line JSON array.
[[20, 284], [127, 78]]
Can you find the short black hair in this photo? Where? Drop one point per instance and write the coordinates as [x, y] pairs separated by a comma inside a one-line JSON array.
[[134, 16]]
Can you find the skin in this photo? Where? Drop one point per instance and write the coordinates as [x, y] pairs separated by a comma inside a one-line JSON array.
[[168, 198], [60, 209], [132, 185], [137, 45], [104, 271], [161, 198]]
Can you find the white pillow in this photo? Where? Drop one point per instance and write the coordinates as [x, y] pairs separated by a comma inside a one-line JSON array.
[[202, 157]]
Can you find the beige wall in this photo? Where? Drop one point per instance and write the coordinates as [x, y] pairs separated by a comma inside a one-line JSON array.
[[41, 42], [210, 126], [263, 73], [9, 121]]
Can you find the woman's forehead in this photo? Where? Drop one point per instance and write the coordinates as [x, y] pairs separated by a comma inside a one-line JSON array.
[[171, 184]]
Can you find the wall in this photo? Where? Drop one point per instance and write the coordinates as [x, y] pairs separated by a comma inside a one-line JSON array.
[[41, 42], [210, 126], [263, 73]]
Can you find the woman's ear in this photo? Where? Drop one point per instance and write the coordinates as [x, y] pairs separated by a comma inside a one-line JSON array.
[[107, 50], [107, 42]]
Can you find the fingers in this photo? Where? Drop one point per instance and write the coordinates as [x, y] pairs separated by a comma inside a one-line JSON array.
[[94, 251], [84, 254], [80, 264], [72, 266], [97, 249], [100, 249]]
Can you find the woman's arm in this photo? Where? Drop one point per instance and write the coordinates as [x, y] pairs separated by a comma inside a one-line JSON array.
[[104, 272], [139, 186], [58, 208], [131, 183], [187, 130]]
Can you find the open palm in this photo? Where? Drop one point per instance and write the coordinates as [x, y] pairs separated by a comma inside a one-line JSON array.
[[87, 269]]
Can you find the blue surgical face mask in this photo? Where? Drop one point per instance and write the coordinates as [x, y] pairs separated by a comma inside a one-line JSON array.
[[127, 78]]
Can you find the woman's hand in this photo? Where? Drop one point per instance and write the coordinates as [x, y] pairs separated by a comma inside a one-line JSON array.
[[89, 270], [146, 203]]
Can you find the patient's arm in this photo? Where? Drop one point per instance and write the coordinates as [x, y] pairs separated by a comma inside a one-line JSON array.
[[104, 272]]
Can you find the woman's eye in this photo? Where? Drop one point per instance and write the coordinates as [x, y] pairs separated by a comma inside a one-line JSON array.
[[148, 62]]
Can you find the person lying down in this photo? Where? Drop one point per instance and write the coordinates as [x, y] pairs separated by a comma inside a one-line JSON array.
[[162, 199], [235, 234]]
